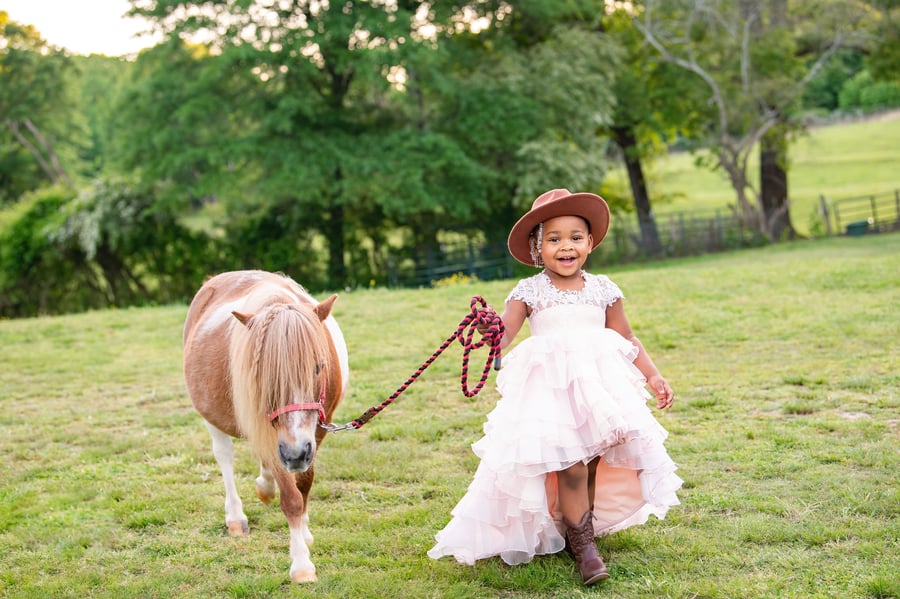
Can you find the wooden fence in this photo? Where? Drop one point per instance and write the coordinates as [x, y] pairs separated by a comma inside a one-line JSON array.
[[681, 234], [465, 256]]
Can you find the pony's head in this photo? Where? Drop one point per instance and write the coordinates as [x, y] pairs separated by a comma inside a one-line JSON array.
[[280, 359]]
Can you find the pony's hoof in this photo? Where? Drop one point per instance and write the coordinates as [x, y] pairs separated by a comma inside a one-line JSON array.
[[304, 576], [238, 529]]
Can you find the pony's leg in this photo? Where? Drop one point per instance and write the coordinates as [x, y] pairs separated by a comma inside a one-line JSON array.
[[223, 450], [304, 528], [304, 482], [265, 485], [293, 506]]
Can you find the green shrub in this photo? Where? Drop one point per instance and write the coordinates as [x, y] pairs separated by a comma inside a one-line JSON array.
[[112, 244], [36, 277], [881, 94], [863, 93]]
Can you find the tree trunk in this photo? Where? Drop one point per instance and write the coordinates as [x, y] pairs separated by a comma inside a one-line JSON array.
[[627, 141], [118, 290], [49, 163], [337, 269], [773, 157], [774, 185]]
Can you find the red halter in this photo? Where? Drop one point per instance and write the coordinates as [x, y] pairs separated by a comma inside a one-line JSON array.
[[319, 406]]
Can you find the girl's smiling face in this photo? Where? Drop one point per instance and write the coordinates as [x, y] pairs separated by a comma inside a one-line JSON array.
[[565, 246]]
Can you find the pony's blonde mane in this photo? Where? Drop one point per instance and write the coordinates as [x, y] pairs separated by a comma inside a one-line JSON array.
[[277, 359]]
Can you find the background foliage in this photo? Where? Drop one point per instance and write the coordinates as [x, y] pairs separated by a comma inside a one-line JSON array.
[[365, 141]]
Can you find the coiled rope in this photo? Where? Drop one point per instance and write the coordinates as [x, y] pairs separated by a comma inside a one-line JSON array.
[[487, 320]]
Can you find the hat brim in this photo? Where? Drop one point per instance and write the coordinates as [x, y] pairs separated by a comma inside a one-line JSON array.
[[588, 206]]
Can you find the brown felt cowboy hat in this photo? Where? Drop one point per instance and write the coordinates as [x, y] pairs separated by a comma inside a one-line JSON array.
[[558, 202]]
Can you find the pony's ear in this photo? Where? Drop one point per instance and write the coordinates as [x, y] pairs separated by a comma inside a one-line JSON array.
[[324, 309], [243, 318]]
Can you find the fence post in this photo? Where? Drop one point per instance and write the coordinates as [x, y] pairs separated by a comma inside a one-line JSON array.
[[897, 205], [823, 210], [719, 230]]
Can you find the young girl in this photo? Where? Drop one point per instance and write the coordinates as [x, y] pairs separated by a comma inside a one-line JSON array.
[[571, 450]]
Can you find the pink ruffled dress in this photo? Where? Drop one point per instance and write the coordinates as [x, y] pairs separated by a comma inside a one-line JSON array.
[[569, 393]]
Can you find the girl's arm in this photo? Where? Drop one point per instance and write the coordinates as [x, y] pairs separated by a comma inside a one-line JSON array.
[[513, 317], [617, 321]]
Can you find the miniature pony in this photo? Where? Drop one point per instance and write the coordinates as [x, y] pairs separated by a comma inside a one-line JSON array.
[[264, 361]]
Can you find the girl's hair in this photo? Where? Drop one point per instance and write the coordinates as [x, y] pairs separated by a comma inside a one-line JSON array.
[[534, 244]]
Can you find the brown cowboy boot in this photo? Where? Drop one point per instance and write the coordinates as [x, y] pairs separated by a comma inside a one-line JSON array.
[[580, 538]]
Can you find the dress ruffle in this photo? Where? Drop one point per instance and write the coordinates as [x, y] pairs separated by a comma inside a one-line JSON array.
[[564, 399]]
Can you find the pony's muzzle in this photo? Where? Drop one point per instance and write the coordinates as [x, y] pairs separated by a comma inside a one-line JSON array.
[[296, 457]]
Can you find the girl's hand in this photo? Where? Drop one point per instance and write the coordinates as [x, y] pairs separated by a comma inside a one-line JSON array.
[[664, 394], [481, 326]]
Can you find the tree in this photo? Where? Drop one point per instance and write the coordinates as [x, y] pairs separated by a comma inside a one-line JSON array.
[[823, 92], [750, 64], [35, 111], [883, 44], [96, 88], [325, 112], [654, 103], [182, 120], [773, 145], [528, 96]]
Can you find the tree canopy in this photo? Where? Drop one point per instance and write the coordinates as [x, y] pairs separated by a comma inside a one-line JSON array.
[[35, 110]]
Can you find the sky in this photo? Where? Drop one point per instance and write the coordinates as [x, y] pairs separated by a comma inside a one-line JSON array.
[[82, 26]]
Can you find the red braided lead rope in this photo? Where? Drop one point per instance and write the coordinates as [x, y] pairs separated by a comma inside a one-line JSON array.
[[486, 317]]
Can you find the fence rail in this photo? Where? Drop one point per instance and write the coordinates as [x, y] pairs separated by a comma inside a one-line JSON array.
[[876, 213], [680, 234], [465, 256]]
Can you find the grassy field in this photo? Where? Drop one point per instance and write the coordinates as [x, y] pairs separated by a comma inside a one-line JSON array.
[[785, 364], [838, 161]]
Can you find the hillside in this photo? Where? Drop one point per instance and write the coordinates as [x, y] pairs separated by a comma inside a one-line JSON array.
[[846, 159]]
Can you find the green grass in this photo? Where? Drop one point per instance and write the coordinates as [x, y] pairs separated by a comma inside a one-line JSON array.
[[784, 361], [838, 161]]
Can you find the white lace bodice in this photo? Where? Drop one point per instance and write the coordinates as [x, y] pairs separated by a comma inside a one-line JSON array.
[[539, 293]]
